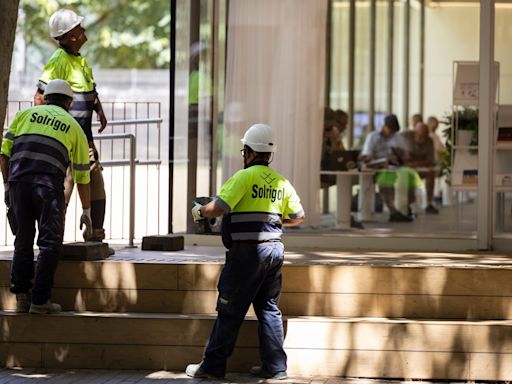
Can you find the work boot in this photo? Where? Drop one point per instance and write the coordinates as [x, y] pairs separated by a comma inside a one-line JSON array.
[[431, 209], [197, 371], [262, 372], [399, 217], [23, 301], [98, 234], [410, 213], [43, 309], [355, 224]]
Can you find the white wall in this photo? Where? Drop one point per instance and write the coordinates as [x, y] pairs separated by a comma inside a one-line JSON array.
[[453, 34], [450, 34]]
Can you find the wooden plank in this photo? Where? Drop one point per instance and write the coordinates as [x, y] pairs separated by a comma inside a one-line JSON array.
[[292, 304], [364, 279], [300, 333], [116, 275], [21, 355]]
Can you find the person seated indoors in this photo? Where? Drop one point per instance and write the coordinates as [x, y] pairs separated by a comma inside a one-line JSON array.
[[415, 119], [331, 142], [439, 147], [335, 123], [421, 157], [386, 150], [441, 156]]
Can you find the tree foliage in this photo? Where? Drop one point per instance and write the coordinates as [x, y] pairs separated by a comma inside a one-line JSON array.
[[121, 33]]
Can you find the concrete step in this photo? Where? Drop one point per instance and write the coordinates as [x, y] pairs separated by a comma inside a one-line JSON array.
[[324, 346], [308, 290], [374, 240]]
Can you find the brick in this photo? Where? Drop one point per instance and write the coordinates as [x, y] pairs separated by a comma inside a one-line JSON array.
[[163, 243], [84, 251]]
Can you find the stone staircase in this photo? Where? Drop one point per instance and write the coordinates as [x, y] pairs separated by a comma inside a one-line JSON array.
[[369, 319]]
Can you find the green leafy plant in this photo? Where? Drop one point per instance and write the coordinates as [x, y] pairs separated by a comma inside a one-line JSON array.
[[465, 119], [121, 33]]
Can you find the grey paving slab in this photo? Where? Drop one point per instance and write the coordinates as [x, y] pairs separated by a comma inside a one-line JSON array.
[[55, 376], [297, 256]]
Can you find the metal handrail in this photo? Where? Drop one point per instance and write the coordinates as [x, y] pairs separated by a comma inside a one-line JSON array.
[[123, 162], [132, 163], [129, 122], [125, 117]]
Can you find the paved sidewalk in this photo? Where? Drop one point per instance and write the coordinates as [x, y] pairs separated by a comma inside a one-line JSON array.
[[90, 376]]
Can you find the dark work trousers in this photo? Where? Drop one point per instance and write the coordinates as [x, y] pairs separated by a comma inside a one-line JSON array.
[[34, 203], [252, 274]]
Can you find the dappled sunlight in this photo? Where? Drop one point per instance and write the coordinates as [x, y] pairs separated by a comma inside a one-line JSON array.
[[6, 329], [199, 285], [7, 299], [115, 287], [61, 353], [31, 376], [398, 258], [380, 314], [378, 300], [119, 275]]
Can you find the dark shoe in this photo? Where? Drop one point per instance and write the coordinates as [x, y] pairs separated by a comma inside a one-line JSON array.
[[355, 224], [45, 308], [23, 301], [262, 372], [431, 209], [197, 371], [398, 217], [111, 251]]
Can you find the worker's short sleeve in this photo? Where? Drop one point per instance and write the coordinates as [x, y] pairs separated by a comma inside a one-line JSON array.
[[234, 189], [8, 140], [293, 208], [54, 69], [80, 158]]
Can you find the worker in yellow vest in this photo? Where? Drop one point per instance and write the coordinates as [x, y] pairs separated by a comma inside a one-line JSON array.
[[38, 147], [256, 203], [67, 63]]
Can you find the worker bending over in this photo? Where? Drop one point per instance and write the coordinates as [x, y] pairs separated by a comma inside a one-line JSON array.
[[40, 144]]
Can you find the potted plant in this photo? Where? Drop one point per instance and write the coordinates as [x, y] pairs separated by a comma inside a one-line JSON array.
[[466, 133]]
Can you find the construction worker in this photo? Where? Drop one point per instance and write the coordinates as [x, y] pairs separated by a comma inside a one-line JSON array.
[[256, 203], [38, 147], [67, 63]]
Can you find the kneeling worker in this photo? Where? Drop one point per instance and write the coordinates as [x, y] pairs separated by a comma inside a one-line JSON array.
[[256, 203], [36, 151]]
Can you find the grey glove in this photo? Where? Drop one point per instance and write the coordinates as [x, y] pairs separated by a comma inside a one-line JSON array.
[[196, 213], [85, 219]]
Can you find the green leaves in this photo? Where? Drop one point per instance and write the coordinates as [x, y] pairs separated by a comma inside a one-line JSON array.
[[121, 33]]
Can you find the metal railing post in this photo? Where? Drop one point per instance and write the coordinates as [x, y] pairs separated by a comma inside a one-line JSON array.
[[132, 163], [133, 148]]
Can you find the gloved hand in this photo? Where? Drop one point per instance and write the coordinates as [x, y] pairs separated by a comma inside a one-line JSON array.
[[85, 219], [196, 213], [6, 195]]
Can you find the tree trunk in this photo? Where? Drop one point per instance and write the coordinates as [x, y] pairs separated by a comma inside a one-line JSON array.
[[8, 18]]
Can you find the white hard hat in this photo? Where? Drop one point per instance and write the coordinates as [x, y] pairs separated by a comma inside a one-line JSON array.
[[259, 138], [58, 86], [62, 21]]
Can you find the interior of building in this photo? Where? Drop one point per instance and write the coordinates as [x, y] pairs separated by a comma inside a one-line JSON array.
[[251, 62]]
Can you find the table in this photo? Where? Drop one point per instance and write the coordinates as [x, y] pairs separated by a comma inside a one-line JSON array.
[[344, 195]]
